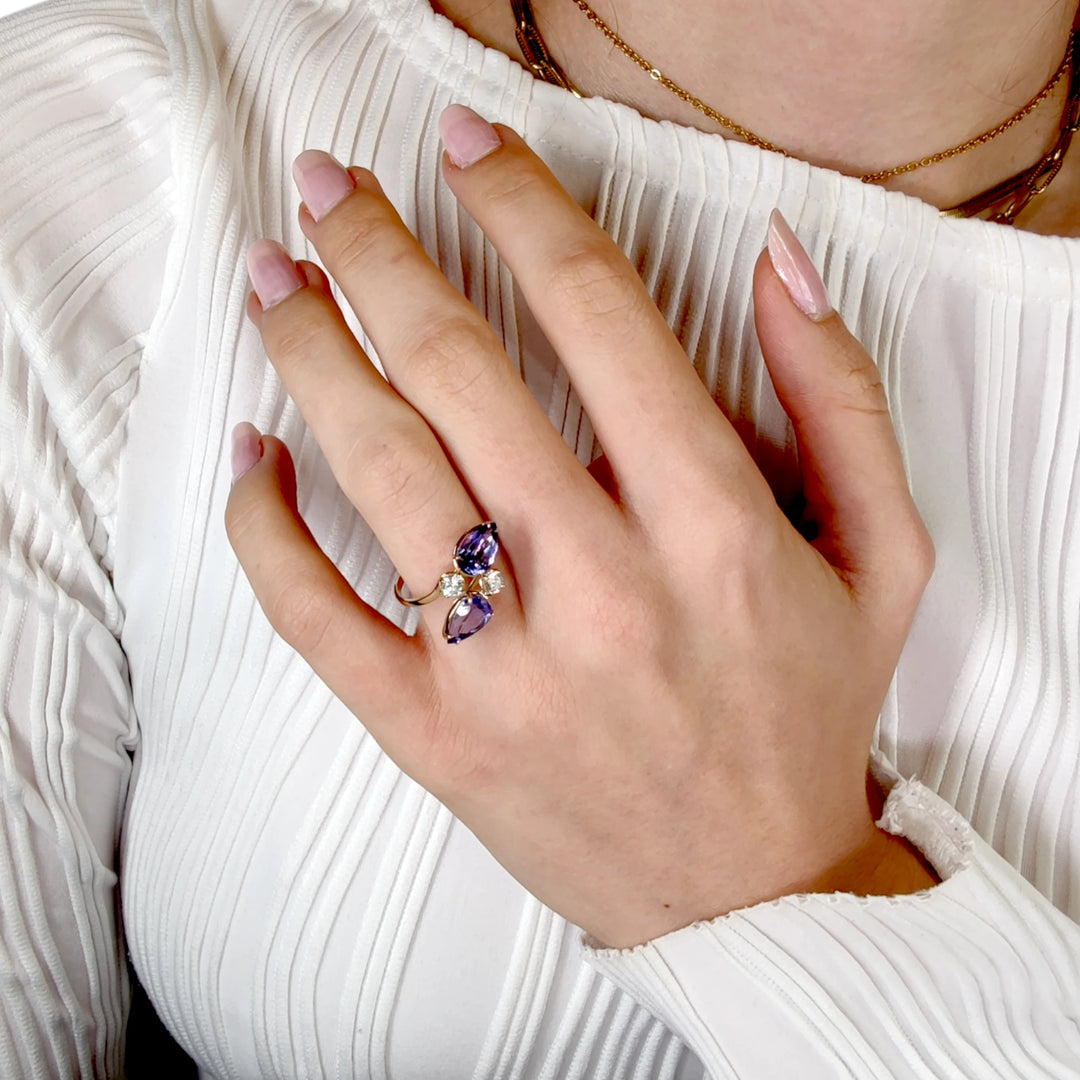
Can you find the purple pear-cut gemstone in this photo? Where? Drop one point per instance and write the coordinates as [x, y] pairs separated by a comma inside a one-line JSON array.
[[477, 549], [467, 617]]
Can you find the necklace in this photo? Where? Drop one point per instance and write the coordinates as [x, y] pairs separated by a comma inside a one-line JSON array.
[[1002, 203]]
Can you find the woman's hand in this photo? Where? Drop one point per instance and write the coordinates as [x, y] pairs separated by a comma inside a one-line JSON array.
[[669, 714]]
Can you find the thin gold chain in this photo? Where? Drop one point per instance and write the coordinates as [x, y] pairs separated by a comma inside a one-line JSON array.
[[757, 140]]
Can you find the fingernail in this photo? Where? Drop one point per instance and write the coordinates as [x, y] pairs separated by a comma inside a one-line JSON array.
[[796, 271], [323, 181], [466, 136], [273, 273], [247, 448]]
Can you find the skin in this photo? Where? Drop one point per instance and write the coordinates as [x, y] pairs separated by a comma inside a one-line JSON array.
[[648, 754], [877, 84]]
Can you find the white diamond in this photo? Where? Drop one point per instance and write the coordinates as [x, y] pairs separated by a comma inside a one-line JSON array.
[[491, 583], [452, 585]]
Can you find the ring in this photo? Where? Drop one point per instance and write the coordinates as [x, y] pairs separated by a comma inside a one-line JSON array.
[[470, 582]]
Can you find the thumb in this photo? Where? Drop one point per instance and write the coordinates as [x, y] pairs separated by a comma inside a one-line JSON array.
[[853, 477]]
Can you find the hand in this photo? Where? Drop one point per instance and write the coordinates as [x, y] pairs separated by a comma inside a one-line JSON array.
[[670, 712]]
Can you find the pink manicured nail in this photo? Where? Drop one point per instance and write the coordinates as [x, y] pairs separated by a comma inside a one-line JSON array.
[[323, 181], [246, 448], [466, 136], [273, 273], [796, 271]]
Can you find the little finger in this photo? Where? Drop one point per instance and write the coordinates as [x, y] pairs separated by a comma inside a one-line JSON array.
[[375, 668]]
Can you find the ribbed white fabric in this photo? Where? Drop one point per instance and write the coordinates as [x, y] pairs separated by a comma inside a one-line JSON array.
[[294, 906]]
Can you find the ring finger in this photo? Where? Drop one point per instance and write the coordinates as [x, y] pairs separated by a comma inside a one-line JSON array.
[[387, 460]]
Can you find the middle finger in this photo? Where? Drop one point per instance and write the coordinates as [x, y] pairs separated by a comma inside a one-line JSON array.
[[634, 378], [440, 353]]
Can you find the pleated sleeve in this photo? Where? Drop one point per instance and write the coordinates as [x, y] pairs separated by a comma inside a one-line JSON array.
[[84, 217]]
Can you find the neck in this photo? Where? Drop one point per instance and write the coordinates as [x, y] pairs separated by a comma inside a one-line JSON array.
[[852, 85]]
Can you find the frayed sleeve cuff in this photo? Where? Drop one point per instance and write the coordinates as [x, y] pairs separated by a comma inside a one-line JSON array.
[[976, 977]]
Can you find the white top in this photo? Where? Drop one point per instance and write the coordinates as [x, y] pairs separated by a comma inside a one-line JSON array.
[[293, 904]]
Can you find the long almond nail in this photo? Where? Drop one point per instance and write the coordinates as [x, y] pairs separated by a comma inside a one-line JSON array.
[[796, 271]]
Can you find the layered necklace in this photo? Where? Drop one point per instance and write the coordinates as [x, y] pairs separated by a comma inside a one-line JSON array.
[[1000, 203]]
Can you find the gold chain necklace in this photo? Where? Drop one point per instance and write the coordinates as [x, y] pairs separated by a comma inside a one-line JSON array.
[[1025, 184]]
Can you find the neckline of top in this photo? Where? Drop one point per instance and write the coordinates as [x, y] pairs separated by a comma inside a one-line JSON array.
[[612, 133]]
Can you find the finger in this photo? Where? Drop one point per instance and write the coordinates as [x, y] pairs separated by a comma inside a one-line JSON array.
[[382, 453], [377, 670], [310, 273], [438, 351], [853, 474], [631, 372]]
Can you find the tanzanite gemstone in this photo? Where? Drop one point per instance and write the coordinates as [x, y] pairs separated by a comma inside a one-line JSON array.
[[467, 617], [477, 549]]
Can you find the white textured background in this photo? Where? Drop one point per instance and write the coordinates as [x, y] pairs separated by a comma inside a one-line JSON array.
[[7, 7]]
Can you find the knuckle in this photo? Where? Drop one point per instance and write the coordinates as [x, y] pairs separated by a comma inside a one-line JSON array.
[[297, 338], [736, 532], [519, 187], [448, 357], [863, 380], [903, 576], [621, 621], [596, 284], [744, 533], [370, 237], [300, 613], [921, 555], [396, 470]]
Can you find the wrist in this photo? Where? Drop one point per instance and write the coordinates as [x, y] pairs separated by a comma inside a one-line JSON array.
[[857, 858], [885, 866]]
